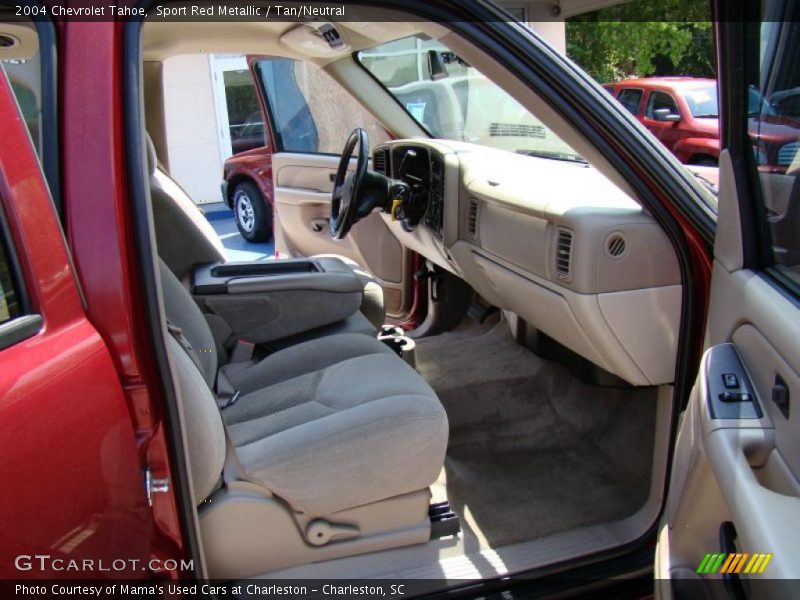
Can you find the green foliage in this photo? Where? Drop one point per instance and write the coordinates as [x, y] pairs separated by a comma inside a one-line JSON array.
[[642, 38]]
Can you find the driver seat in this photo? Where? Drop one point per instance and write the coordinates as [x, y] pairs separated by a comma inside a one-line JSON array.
[[185, 238]]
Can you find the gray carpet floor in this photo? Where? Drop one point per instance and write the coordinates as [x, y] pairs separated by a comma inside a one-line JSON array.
[[533, 451]]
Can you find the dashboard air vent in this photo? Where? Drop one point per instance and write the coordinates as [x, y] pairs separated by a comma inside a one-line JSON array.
[[472, 217], [563, 254], [616, 245], [380, 161]]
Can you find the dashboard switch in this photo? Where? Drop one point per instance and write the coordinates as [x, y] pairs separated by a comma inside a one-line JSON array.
[[730, 380]]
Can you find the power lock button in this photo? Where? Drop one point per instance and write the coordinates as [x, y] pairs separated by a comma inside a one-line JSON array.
[[730, 381]]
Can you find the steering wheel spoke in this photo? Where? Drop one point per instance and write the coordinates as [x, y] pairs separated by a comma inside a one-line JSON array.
[[347, 186]]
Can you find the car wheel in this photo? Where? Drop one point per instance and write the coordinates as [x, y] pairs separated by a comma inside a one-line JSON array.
[[706, 162], [251, 212]]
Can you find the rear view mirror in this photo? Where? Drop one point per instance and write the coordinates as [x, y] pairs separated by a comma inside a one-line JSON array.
[[436, 66], [665, 114]]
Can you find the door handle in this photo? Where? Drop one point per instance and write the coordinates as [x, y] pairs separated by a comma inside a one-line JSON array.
[[780, 395], [318, 225]]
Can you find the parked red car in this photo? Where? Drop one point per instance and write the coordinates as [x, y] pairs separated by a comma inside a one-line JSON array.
[[683, 113], [247, 190]]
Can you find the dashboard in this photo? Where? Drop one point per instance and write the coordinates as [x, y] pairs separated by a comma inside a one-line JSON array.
[[552, 241]]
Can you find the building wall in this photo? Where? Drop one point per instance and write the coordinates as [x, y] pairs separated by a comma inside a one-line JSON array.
[[193, 141]]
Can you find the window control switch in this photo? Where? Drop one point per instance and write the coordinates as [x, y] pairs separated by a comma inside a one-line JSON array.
[[735, 397]]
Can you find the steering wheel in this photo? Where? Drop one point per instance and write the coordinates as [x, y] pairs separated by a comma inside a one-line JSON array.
[[347, 186]]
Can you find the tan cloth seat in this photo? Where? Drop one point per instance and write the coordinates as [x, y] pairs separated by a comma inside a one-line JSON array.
[[326, 425]]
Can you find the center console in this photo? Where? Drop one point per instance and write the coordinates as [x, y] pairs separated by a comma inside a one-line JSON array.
[[269, 300]]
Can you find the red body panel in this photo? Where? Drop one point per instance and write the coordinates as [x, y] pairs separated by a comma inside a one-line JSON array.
[[252, 165], [68, 454], [100, 233]]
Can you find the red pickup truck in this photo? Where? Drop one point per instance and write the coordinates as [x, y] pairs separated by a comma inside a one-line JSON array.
[[683, 113]]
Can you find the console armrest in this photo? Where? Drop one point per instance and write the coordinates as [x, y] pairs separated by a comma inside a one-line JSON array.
[[273, 299]]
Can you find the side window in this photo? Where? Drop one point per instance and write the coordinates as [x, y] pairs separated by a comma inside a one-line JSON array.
[[244, 114], [29, 64], [631, 99], [310, 111], [9, 297], [659, 100], [773, 131], [25, 78]]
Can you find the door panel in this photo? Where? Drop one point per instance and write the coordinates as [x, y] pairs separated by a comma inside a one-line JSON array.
[[311, 115], [735, 487], [303, 185], [745, 470], [68, 455]]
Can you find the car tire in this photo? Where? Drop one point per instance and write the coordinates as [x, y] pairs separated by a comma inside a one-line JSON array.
[[251, 212], [706, 162]]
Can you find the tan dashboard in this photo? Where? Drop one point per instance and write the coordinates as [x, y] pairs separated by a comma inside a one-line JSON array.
[[560, 245]]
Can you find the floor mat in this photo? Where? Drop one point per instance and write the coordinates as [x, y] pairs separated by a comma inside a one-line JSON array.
[[533, 451]]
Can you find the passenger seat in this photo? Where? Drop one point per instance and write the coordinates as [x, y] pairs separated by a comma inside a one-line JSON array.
[[328, 448]]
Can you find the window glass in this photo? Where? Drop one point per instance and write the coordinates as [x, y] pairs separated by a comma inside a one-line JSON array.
[[774, 131], [659, 100], [630, 99], [454, 101], [9, 300], [702, 101], [25, 79], [310, 111], [244, 114]]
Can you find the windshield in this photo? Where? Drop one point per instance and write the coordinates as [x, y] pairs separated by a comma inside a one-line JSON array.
[[702, 102], [455, 101]]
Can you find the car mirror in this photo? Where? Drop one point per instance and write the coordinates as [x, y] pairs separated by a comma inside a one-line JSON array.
[[665, 114], [436, 66]]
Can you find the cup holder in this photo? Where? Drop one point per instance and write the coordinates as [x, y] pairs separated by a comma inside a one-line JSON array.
[[403, 346]]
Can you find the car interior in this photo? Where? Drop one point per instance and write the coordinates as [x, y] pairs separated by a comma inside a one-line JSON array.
[[465, 362], [523, 422]]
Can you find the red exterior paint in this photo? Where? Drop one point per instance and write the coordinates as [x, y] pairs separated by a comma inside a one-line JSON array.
[[256, 164], [693, 139], [72, 479], [252, 165], [100, 233]]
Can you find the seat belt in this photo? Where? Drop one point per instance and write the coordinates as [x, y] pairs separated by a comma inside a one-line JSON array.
[[226, 394], [177, 333]]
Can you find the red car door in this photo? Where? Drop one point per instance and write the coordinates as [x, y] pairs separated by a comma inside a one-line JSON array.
[[73, 496], [668, 132]]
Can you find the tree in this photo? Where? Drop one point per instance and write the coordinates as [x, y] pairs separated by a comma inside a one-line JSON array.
[[641, 38]]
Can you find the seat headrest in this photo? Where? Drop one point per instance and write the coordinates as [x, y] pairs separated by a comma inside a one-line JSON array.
[[152, 158]]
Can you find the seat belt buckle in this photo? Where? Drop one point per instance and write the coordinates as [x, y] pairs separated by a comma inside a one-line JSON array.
[[229, 401], [243, 351]]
